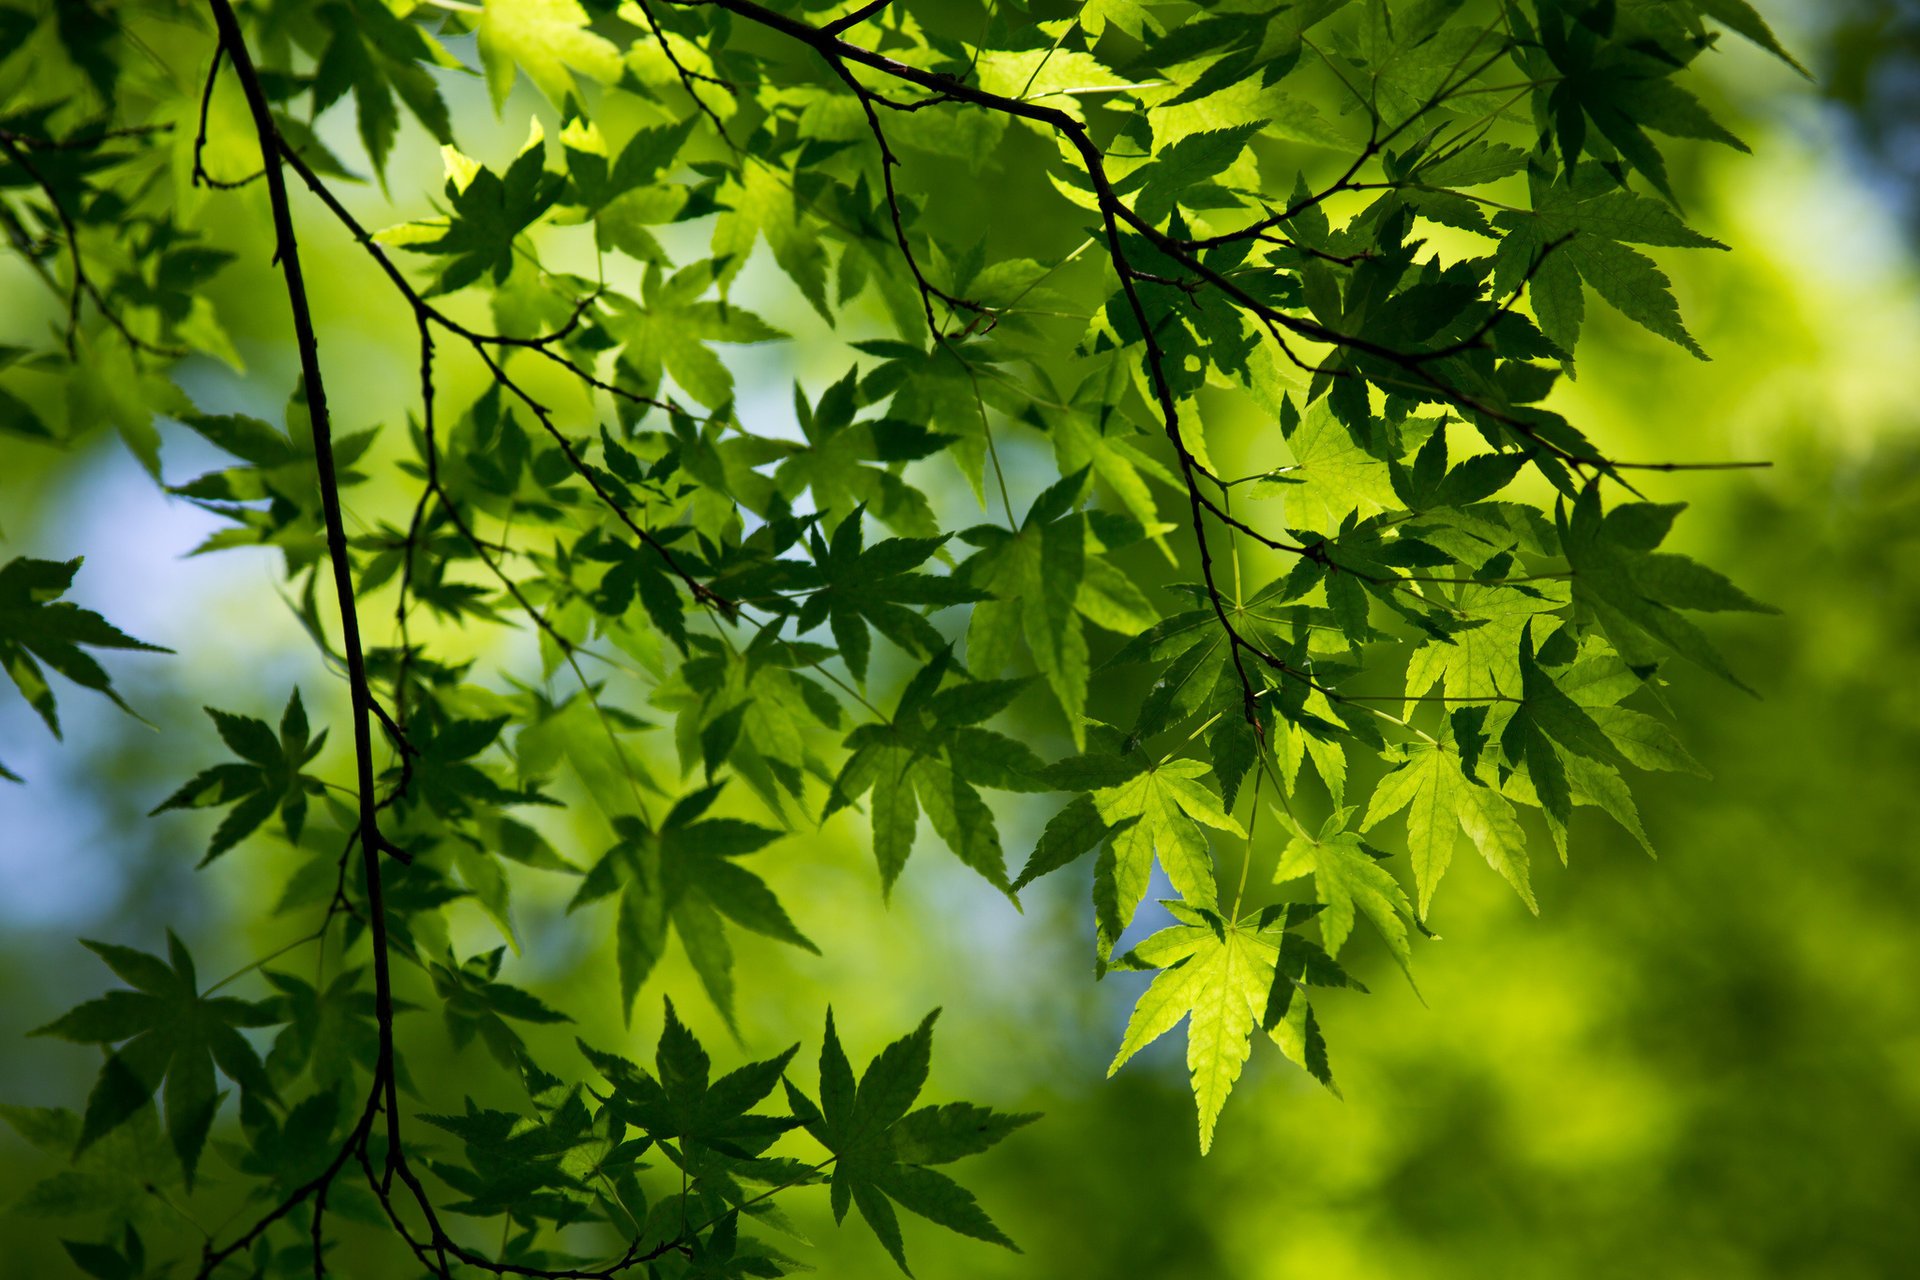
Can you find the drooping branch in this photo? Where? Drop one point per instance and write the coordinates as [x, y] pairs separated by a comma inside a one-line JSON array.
[[383, 1096], [440, 1247]]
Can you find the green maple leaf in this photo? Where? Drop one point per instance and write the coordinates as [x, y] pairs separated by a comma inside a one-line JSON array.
[[1331, 476], [1481, 659], [855, 586], [115, 1176], [1743, 18], [1579, 231], [759, 203], [932, 755], [1180, 173], [269, 776], [36, 624], [126, 1260], [669, 332], [542, 39], [710, 1122], [1068, 834], [1619, 83], [167, 1032], [884, 1152], [724, 1254], [1636, 592], [514, 1166], [1049, 75], [279, 470], [1366, 563], [474, 1002], [1226, 979], [376, 56], [1543, 725], [1116, 455], [443, 777], [1159, 813], [488, 212], [1131, 16], [1195, 670], [288, 1152], [685, 875], [1347, 876], [848, 463], [331, 1034], [1429, 483], [1444, 802], [1471, 165], [1034, 576], [624, 195]]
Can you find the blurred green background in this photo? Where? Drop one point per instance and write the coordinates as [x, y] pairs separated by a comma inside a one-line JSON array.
[[1707, 1065]]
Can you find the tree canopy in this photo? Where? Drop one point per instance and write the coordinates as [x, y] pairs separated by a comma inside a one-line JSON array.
[[1430, 604]]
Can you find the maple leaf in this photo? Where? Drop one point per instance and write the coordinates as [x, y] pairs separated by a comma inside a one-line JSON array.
[[542, 39], [1480, 659], [1181, 172], [1347, 875], [331, 1034], [1621, 86], [378, 56], [1034, 577], [116, 1174], [1444, 802], [516, 1166], [884, 1152], [848, 463], [443, 777], [1220, 977], [1330, 476], [279, 471], [1636, 592], [760, 204], [488, 212], [269, 776], [167, 1031], [855, 586], [1579, 230], [684, 875], [1159, 813], [710, 1122], [1542, 725], [668, 332], [288, 1151], [36, 623], [474, 1002], [932, 755]]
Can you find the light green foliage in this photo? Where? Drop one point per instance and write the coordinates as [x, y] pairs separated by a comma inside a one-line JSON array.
[[1371, 228], [1444, 801], [1227, 978], [1348, 878], [1161, 814]]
